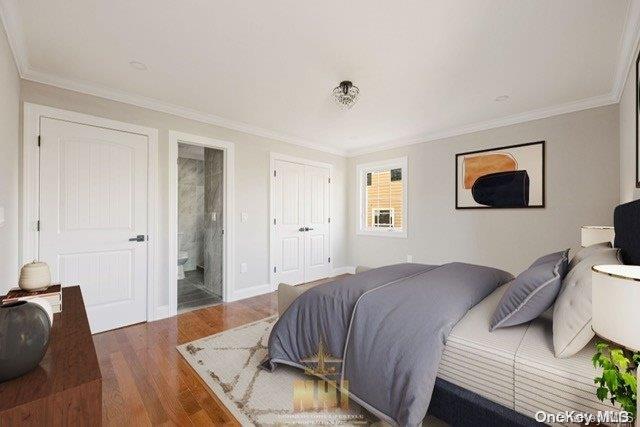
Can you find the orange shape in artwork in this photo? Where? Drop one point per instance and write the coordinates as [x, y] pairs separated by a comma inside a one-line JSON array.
[[477, 166]]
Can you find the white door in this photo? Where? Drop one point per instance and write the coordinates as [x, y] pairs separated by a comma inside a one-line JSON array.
[[93, 201], [301, 222], [289, 194], [317, 254]]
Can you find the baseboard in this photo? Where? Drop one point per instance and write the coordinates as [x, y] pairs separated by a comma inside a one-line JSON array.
[[162, 312], [250, 292], [343, 270]]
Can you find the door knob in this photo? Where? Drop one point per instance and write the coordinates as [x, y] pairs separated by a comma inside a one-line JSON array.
[[138, 238], [308, 229], [302, 229]]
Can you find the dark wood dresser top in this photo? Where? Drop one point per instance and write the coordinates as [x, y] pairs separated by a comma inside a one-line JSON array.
[[70, 360]]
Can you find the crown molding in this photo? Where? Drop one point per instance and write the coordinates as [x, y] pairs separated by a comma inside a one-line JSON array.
[[12, 22], [542, 113], [628, 46], [176, 110]]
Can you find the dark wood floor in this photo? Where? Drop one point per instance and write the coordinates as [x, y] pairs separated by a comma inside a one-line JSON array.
[[147, 382]]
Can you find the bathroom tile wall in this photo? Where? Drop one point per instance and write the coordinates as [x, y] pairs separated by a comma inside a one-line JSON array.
[[213, 225], [191, 210]]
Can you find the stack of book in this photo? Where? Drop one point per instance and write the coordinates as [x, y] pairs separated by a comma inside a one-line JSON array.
[[53, 294]]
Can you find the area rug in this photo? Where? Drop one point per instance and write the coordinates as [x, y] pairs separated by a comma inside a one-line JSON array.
[[228, 364]]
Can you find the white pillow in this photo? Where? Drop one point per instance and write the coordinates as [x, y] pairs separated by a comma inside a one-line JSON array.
[[588, 251], [572, 310]]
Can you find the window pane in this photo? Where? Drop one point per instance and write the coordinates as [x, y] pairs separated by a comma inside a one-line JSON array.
[[384, 199]]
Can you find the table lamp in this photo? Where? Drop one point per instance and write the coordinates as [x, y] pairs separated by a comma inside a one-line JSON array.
[[616, 305], [592, 234]]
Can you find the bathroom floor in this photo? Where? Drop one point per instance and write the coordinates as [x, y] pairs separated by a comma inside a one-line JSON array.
[[191, 292]]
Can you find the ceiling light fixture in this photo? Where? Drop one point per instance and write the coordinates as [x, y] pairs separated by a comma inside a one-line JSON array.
[[138, 65], [346, 94], [502, 98]]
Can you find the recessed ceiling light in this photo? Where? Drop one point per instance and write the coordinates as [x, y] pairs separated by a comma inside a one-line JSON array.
[[138, 65], [502, 98]]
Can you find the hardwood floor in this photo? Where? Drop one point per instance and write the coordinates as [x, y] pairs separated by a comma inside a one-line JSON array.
[[145, 381]]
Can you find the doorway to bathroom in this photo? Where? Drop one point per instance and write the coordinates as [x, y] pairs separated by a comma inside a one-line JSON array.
[[200, 218]]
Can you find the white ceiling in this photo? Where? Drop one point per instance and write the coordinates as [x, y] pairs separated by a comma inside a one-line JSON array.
[[426, 69]]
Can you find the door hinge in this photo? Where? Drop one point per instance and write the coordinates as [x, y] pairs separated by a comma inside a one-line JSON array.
[[274, 174], [38, 225], [329, 180], [39, 141], [274, 221], [275, 269], [329, 219], [223, 231], [329, 260]]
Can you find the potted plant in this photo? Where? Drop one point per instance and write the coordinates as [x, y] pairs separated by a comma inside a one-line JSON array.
[[618, 381]]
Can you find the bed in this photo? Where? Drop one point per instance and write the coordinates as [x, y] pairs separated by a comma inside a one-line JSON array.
[[470, 376]]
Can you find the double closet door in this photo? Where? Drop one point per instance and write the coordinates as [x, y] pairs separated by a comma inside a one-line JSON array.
[[301, 221]]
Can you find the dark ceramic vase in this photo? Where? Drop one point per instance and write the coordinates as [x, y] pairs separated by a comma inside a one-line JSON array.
[[24, 337]]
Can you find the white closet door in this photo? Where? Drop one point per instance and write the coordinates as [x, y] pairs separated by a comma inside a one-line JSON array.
[[93, 199], [289, 193], [317, 244]]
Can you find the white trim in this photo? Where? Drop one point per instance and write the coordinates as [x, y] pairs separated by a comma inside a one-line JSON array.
[[273, 156], [228, 281], [628, 44], [628, 47], [253, 291], [361, 169], [31, 192]]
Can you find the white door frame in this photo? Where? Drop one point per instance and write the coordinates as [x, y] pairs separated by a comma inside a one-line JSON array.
[[31, 189], [228, 248], [273, 156]]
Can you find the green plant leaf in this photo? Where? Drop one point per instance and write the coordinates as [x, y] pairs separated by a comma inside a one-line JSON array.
[[611, 378], [630, 380], [618, 358], [602, 346], [595, 359], [602, 393]]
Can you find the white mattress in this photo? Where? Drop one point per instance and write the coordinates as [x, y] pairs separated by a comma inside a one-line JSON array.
[[479, 360], [543, 382], [516, 367]]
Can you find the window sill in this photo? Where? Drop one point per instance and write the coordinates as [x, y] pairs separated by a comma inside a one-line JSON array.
[[381, 233]]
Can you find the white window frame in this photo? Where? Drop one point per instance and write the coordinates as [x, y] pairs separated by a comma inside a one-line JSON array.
[[361, 189]]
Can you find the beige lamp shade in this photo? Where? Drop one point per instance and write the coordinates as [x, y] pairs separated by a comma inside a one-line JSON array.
[[592, 234], [616, 304]]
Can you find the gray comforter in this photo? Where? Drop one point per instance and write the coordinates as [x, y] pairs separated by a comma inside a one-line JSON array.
[[386, 328]]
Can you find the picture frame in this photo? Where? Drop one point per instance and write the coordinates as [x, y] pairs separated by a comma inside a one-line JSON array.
[[507, 177], [637, 124]]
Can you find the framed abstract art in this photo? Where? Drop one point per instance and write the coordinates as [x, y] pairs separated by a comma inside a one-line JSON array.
[[501, 178], [637, 125]]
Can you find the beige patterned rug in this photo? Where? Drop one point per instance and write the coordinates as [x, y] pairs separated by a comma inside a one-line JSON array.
[[228, 364]]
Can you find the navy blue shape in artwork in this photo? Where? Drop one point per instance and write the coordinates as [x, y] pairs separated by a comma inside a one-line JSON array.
[[502, 189]]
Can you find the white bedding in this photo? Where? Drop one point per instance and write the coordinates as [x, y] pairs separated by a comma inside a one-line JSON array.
[[515, 366]]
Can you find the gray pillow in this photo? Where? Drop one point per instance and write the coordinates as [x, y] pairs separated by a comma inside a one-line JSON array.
[[573, 310], [588, 251], [532, 292]]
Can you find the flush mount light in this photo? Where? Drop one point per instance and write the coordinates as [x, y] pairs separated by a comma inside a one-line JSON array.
[[502, 98], [346, 94], [138, 65]]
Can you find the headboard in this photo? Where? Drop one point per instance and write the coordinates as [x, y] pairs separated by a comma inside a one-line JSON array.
[[626, 221]]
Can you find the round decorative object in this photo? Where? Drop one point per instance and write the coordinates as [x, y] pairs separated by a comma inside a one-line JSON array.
[[24, 337], [35, 276]]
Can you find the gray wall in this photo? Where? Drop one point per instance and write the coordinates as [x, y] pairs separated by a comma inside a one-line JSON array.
[[582, 182], [9, 161], [251, 178], [191, 210], [628, 190]]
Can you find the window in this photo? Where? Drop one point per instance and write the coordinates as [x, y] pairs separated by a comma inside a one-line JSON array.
[[383, 198]]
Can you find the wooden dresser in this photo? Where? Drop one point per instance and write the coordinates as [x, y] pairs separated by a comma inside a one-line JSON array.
[[66, 389]]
